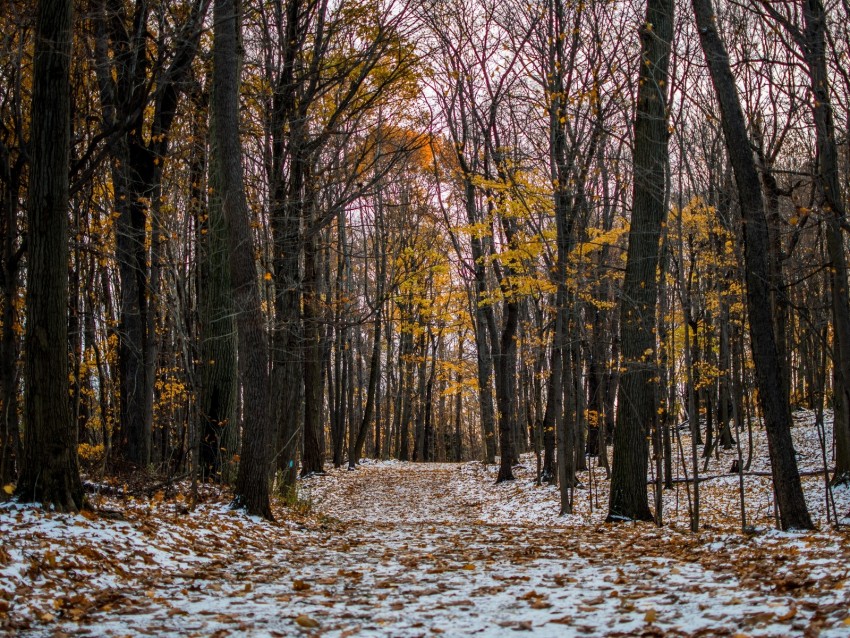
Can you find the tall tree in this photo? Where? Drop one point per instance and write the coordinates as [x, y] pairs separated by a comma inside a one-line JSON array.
[[50, 474], [636, 412], [774, 403], [217, 393], [252, 480]]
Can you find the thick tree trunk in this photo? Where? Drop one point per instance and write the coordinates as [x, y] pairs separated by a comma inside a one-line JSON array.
[[422, 380], [50, 470], [287, 353], [636, 404], [777, 413], [130, 179], [252, 480]]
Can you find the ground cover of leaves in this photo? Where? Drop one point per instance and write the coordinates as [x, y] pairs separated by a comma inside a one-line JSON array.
[[402, 549]]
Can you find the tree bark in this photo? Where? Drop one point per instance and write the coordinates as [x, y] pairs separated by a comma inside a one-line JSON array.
[[252, 480], [637, 399], [50, 472], [313, 460], [217, 332]]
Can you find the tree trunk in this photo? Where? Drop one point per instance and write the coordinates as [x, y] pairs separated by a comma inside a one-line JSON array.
[[814, 19], [50, 470], [217, 333], [505, 365], [252, 480], [371, 393], [10, 440], [313, 461], [636, 404]]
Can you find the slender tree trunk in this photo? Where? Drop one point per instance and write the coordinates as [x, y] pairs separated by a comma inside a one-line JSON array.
[[814, 20], [10, 444], [371, 393], [313, 461]]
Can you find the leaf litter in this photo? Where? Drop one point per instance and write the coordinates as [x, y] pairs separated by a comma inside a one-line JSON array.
[[404, 549]]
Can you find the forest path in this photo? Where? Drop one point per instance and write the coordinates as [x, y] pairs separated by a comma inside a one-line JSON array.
[[408, 493], [409, 550], [440, 547]]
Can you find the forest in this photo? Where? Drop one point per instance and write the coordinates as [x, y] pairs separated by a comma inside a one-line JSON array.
[[560, 245], [304, 232]]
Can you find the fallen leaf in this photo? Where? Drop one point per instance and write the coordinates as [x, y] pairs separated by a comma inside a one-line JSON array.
[[77, 613], [789, 614], [305, 621], [300, 585], [650, 616], [563, 620]]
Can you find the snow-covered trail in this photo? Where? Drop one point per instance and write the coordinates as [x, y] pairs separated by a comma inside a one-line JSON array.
[[434, 552], [399, 549]]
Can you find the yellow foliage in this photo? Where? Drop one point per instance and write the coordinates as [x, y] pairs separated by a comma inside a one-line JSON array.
[[90, 454]]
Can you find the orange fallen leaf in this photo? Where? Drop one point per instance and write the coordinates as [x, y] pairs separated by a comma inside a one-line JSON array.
[[789, 614], [305, 621], [300, 585]]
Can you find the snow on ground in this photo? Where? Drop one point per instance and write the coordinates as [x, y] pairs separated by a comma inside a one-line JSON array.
[[402, 549]]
